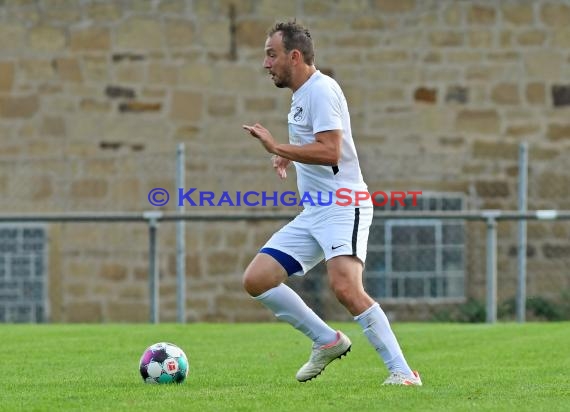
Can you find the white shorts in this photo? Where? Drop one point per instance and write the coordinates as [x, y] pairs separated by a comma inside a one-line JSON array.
[[321, 232]]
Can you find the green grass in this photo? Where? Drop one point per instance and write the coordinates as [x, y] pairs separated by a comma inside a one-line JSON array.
[[251, 367]]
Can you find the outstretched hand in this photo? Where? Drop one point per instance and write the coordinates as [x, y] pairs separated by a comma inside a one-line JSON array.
[[280, 164], [263, 135]]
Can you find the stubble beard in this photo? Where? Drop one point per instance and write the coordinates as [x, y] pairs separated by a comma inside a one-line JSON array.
[[284, 81]]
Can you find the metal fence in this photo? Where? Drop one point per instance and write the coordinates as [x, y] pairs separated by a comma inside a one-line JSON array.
[[448, 251], [152, 219]]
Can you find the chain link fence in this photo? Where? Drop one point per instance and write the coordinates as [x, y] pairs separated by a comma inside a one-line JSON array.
[[78, 271]]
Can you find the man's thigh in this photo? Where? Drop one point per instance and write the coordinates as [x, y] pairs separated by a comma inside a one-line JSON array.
[[344, 231], [295, 240]]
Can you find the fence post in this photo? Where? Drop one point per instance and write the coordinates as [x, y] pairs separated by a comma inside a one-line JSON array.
[[180, 241], [491, 266], [152, 218], [521, 278]]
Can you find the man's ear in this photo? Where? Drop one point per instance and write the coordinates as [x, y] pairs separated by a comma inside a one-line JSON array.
[[296, 56]]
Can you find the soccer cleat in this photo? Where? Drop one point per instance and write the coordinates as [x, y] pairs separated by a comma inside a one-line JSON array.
[[399, 378], [321, 356]]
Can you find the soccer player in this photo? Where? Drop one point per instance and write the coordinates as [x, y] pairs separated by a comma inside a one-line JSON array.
[[323, 152]]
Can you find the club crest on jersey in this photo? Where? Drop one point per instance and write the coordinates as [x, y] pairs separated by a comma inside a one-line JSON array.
[[298, 115]]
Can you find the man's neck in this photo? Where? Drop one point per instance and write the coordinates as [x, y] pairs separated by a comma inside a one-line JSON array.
[[303, 76]]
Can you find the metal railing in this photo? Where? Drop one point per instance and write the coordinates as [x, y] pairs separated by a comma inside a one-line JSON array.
[[153, 218]]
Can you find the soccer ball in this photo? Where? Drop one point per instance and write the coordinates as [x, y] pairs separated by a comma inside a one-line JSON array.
[[163, 362]]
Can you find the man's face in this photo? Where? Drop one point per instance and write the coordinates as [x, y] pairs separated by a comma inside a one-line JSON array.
[[277, 61]]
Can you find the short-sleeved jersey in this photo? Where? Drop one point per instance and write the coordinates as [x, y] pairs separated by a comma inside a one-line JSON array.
[[319, 105]]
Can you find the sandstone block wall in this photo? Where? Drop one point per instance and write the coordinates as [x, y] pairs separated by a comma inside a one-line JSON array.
[[95, 96]]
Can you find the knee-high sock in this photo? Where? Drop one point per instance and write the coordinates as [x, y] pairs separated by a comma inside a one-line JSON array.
[[378, 331], [289, 307]]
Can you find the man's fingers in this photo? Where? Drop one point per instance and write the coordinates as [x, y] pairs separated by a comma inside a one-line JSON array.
[[250, 129], [281, 172]]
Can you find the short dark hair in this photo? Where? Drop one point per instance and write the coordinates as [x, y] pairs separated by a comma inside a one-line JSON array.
[[295, 36]]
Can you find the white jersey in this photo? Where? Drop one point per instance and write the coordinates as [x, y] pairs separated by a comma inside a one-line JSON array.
[[317, 106]]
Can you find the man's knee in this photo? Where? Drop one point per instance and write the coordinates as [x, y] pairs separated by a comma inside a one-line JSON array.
[[341, 288], [251, 283], [262, 274], [345, 276]]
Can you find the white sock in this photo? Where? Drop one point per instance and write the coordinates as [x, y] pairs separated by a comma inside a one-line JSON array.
[[377, 330], [289, 307]]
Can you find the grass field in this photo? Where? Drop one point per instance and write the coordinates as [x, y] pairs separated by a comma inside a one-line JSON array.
[[251, 367]]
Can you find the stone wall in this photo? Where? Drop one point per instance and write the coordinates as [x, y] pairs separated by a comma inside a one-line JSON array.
[[95, 96]]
